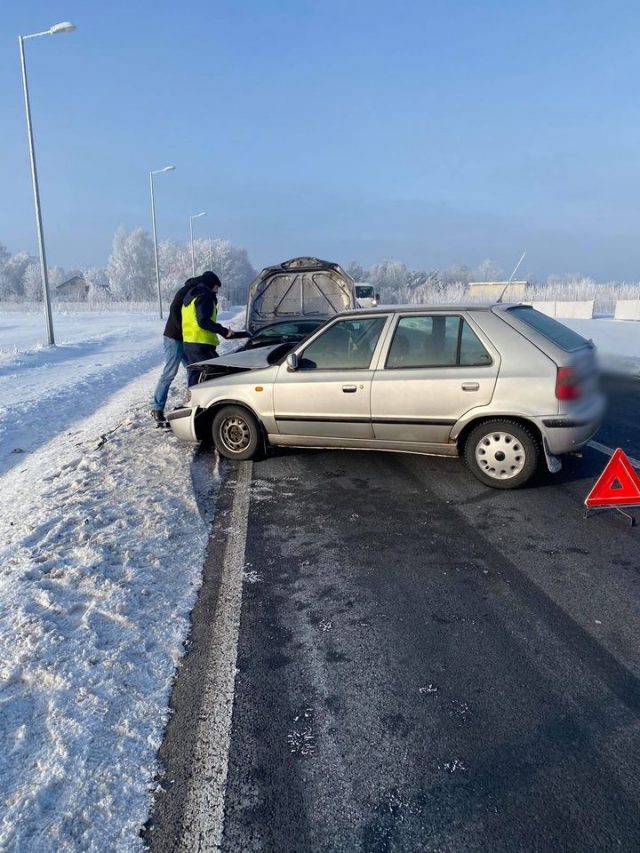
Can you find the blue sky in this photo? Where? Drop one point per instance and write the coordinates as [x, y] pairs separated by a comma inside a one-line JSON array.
[[432, 133]]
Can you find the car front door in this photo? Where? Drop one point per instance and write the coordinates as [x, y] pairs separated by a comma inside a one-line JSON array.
[[437, 368], [329, 393]]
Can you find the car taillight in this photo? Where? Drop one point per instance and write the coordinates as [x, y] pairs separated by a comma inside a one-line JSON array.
[[567, 385]]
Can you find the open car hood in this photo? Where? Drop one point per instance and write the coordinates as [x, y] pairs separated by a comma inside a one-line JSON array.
[[300, 288]]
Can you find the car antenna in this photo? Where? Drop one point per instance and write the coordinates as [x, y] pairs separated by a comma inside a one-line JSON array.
[[515, 270]]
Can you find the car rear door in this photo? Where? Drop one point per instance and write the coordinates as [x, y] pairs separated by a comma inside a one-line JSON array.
[[330, 392], [436, 368]]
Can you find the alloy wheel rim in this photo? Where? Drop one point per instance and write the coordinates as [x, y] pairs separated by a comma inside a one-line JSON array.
[[235, 434], [500, 455]]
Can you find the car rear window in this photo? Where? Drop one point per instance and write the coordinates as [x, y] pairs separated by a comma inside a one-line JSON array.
[[557, 333]]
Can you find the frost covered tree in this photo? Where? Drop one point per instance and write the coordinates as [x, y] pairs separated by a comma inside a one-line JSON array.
[[57, 275], [175, 266], [231, 263], [456, 274], [131, 269], [12, 272], [389, 274], [487, 270], [5, 254], [397, 283], [356, 271], [32, 280], [424, 287], [32, 283]]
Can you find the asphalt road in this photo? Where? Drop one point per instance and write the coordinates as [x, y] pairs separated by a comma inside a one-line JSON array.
[[422, 663], [622, 425]]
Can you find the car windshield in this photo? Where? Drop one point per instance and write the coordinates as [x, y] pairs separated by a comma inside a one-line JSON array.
[[364, 291], [279, 330]]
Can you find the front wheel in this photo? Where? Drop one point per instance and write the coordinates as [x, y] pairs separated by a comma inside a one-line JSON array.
[[501, 454], [236, 433]]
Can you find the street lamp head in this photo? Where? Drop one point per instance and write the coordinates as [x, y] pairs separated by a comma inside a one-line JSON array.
[[198, 215], [64, 27], [160, 171]]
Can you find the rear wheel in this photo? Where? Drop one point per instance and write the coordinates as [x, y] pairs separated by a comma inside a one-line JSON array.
[[236, 433], [501, 454]]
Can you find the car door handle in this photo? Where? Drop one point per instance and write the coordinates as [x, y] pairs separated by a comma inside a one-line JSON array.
[[349, 389], [470, 386]]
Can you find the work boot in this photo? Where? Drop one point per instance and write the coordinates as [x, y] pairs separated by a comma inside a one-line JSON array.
[[159, 418]]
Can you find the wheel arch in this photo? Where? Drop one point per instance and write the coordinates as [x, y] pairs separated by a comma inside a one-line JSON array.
[[204, 419], [528, 424]]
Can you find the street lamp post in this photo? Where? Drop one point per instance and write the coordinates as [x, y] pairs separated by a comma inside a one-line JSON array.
[[64, 27], [193, 257], [155, 236]]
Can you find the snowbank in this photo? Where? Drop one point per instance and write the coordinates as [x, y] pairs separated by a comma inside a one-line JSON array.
[[100, 564]]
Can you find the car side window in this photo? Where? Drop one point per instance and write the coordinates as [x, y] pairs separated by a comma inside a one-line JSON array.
[[346, 345], [437, 340], [472, 351]]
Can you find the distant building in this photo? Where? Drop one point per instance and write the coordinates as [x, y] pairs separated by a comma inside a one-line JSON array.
[[78, 289], [74, 288], [491, 290]]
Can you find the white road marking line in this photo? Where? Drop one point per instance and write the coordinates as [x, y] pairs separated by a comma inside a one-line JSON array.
[[609, 452], [203, 820]]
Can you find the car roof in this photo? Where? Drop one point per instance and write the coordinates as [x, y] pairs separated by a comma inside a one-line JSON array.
[[420, 309]]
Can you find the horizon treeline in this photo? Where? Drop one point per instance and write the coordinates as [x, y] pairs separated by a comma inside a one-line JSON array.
[[129, 275]]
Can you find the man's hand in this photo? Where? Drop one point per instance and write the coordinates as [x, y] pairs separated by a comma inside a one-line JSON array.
[[231, 333]]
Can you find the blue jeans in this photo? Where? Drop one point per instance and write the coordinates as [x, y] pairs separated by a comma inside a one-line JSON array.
[[197, 352], [173, 357]]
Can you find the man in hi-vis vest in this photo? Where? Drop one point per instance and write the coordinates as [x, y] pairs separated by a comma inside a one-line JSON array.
[[199, 327]]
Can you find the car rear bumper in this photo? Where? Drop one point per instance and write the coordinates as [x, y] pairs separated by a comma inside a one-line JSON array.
[[182, 422], [567, 432]]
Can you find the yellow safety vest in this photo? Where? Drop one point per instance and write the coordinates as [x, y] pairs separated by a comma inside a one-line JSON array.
[[192, 333]]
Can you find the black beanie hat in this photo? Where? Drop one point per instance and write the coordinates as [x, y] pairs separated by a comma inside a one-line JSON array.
[[210, 279]]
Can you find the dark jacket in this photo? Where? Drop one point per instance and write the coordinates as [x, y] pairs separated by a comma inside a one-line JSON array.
[[173, 327], [205, 302]]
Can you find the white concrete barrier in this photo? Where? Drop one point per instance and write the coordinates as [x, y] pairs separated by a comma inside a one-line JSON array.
[[548, 308], [582, 310], [627, 309]]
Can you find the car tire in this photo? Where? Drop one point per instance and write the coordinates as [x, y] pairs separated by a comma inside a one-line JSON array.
[[236, 433], [502, 454]]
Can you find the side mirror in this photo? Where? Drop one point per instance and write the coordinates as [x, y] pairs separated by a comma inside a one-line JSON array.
[[292, 361], [377, 297]]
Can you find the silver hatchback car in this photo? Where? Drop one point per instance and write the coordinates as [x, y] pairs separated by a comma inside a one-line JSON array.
[[504, 386]]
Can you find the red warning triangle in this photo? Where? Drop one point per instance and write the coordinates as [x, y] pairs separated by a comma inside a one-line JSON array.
[[618, 485]]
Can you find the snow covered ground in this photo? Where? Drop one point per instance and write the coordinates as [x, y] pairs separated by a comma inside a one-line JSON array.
[[101, 549], [618, 342]]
